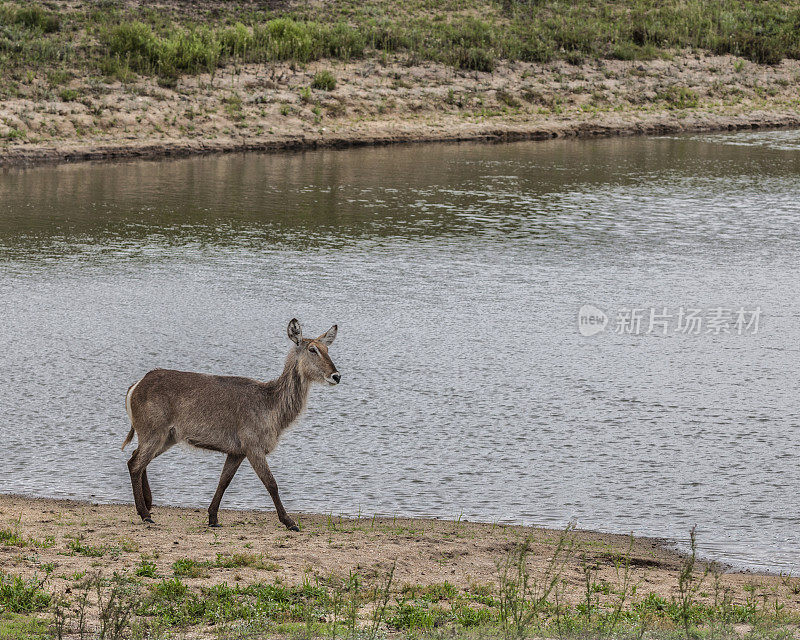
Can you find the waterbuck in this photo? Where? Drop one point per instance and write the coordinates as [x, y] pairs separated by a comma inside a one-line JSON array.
[[241, 417]]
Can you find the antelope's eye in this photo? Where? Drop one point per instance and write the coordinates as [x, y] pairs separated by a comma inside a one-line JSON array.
[[313, 350]]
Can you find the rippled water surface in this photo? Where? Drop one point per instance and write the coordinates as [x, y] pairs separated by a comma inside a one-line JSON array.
[[455, 273]]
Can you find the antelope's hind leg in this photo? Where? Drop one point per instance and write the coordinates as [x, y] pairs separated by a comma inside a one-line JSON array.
[[137, 466], [232, 463], [136, 469], [146, 494]]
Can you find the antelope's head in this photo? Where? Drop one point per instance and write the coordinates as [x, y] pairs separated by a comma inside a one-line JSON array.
[[313, 361]]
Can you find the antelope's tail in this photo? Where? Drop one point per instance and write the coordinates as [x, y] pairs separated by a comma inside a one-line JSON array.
[[129, 438]]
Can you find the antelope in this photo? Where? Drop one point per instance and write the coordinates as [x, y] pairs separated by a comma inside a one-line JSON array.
[[240, 417]]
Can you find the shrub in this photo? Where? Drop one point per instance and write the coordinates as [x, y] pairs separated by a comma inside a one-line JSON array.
[[474, 59], [678, 97], [324, 80], [22, 596], [38, 19]]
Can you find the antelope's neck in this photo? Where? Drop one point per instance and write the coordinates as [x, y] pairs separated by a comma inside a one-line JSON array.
[[292, 395]]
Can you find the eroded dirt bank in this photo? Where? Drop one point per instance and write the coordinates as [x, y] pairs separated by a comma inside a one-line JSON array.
[[386, 100]]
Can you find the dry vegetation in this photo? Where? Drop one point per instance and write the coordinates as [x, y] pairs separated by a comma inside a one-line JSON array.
[[72, 569], [87, 79]]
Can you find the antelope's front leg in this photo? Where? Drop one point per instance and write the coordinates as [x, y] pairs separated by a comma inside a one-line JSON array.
[[259, 463]]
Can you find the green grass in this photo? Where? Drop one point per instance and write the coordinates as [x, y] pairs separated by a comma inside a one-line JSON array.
[[522, 604], [187, 568], [204, 48], [172, 601], [431, 593], [117, 41], [678, 98], [18, 595], [31, 17], [23, 627], [237, 560]]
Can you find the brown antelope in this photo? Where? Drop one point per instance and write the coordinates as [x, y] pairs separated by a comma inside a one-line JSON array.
[[240, 417]]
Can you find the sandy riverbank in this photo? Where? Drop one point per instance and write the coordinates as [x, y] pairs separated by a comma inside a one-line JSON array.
[[462, 562], [426, 551]]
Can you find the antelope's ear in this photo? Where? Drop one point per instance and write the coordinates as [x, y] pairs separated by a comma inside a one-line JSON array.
[[329, 336], [294, 331]]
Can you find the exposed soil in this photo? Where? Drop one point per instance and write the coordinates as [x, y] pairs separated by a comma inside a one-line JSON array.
[[387, 100]]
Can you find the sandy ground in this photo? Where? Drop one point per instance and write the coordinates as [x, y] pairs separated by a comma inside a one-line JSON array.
[[386, 100], [424, 551]]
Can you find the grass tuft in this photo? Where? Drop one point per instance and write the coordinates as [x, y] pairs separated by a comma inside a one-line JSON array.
[[12, 538], [324, 80], [77, 546]]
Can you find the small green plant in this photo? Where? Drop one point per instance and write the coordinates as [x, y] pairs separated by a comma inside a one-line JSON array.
[[115, 607], [12, 538], [237, 560], [412, 615], [523, 598], [188, 568], [678, 97], [689, 585], [147, 568], [791, 584], [508, 99], [58, 77], [77, 546], [46, 543], [380, 596], [69, 95], [15, 134], [324, 80], [233, 106], [305, 95], [127, 545]]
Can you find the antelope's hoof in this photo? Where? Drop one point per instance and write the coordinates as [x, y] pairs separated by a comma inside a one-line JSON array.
[[293, 527], [148, 520], [214, 525]]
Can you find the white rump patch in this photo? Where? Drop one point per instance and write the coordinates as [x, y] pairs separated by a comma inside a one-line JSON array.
[[128, 401]]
